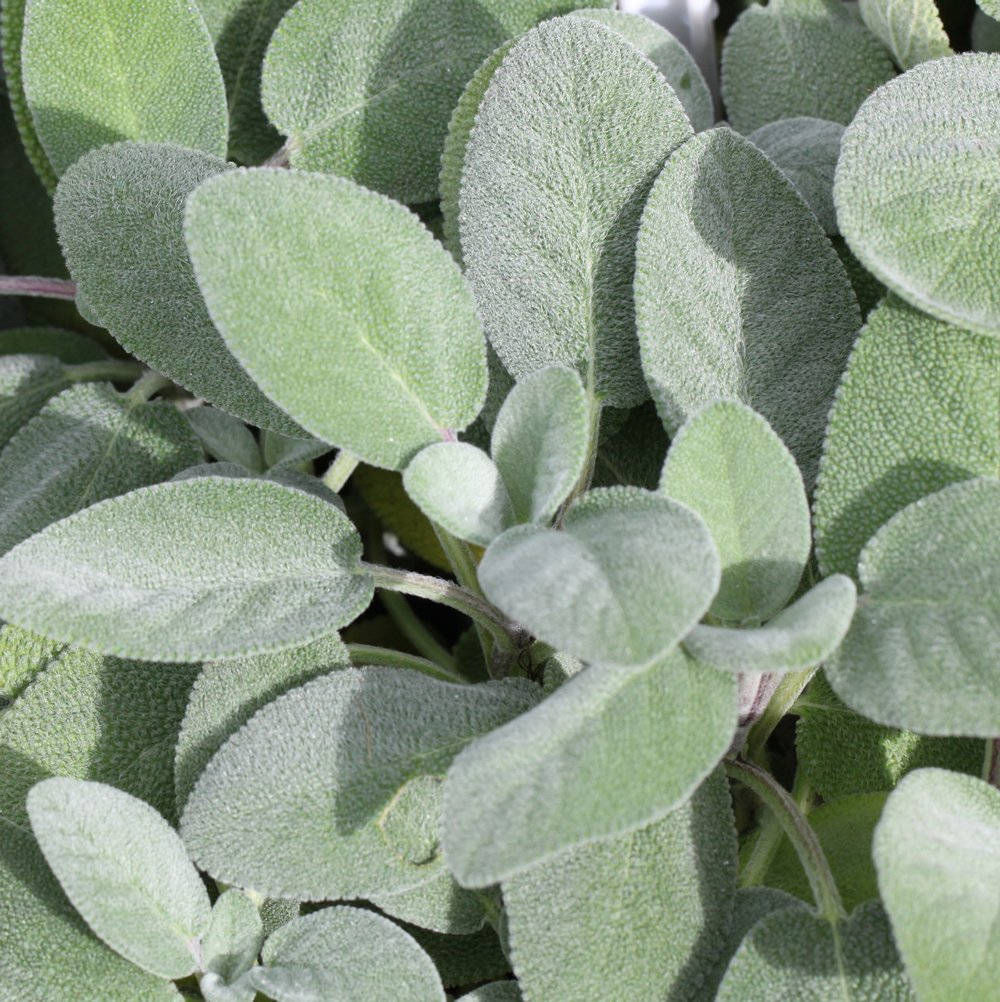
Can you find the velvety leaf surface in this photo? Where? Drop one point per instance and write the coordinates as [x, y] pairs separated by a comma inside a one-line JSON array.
[[911, 30], [68, 346], [87, 444], [234, 936], [921, 651], [549, 244], [294, 804], [204, 568], [94, 718], [440, 905], [841, 752], [608, 752], [321, 254], [107, 70], [918, 409], [799, 57], [49, 954], [628, 575], [366, 91], [225, 437], [597, 915], [125, 870], [22, 656], [937, 852], [917, 190], [345, 953], [739, 294], [805, 150], [726, 464], [793, 954], [26, 383], [120, 211]]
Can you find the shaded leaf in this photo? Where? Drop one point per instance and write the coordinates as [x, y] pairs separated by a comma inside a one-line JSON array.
[[632, 452], [69, 347], [26, 383], [225, 437]]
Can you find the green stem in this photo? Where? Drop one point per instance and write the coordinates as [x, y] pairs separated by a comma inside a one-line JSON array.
[[147, 386], [779, 704], [464, 567], [799, 832], [364, 654], [112, 370], [37, 286], [340, 470], [770, 835]]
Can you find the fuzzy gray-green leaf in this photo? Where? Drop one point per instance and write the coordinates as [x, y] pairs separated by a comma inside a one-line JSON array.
[[125, 870], [106, 70], [739, 294], [321, 254], [628, 575], [549, 244], [921, 652], [608, 752], [203, 568], [912, 31]]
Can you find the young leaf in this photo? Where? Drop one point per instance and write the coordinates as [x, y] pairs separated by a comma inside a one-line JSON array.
[[94, 718], [799, 57], [793, 954], [643, 912], [627, 577], [939, 873], [49, 954], [918, 409], [739, 295], [228, 693], [233, 938], [609, 751], [106, 70], [440, 905], [365, 91], [120, 213], [69, 347], [226, 438], [241, 30], [930, 611], [321, 254], [917, 192], [805, 150], [341, 953], [22, 656], [204, 568], [87, 444], [26, 383], [549, 244], [291, 804], [727, 464], [911, 31], [801, 636], [125, 870]]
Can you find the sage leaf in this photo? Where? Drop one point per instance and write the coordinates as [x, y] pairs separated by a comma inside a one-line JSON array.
[[794, 954], [930, 610], [240, 31], [842, 753], [628, 575], [118, 69], [26, 383], [774, 56], [594, 916], [49, 953], [204, 568], [805, 150], [917, 410], [228, 693], [408, 365], [119, 212], [233, 938], [125, 870], [918, 205], [69, 347], [94, 718], [366, 91], [440, 905], [939, 872], [85, 445], [549, 246], [801, 636], [608, 752], [345, 953], [226, 438], [911, 31], [726, 306], [726, 464], [292, 803], [22, 656]]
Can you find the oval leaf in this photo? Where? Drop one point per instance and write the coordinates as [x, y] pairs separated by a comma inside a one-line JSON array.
[[203, 568]]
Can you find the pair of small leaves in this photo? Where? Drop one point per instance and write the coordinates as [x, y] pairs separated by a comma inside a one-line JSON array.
[[539, 448], [917, 191]]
